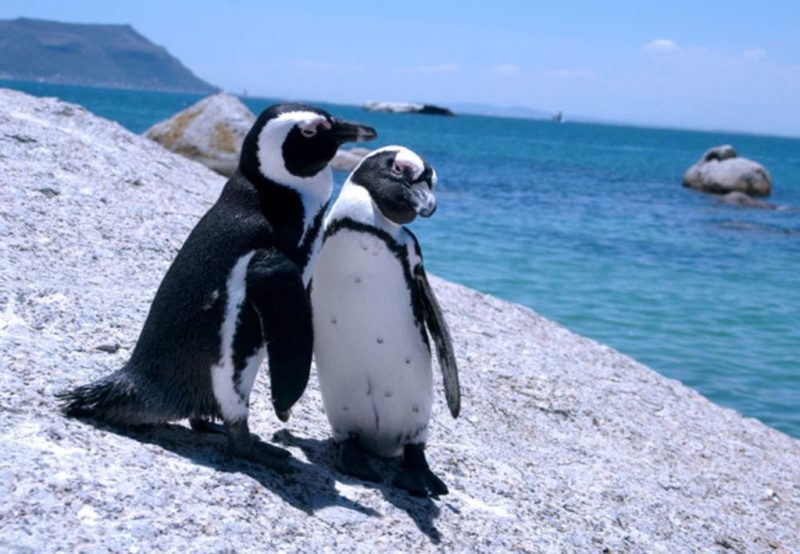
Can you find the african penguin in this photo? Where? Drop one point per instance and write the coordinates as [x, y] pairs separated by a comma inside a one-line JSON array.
[[373, 309], [236, 293]]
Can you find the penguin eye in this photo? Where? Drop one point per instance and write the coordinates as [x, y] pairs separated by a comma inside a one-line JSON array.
[[397, 169], [308, 132]]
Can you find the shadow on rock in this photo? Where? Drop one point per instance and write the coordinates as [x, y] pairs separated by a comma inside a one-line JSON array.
[[304, 486], [322, 453]]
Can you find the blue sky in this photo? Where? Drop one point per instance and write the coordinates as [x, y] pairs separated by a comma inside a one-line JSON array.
[[730, 65]]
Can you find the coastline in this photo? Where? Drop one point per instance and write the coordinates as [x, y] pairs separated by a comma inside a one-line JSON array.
[[564, 444]]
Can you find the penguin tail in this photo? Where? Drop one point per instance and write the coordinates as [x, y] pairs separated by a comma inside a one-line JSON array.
[[113, 399]]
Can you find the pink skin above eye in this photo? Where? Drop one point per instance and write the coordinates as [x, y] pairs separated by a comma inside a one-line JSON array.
[[401, 166], [310, 128]]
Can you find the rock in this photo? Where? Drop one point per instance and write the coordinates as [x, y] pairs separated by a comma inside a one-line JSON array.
[[430, 109], [347, 160], [210, 132], [737, 198], [720, 171], [110, 348], [392, 107], [407, 107], [719, 153], [564, 444]]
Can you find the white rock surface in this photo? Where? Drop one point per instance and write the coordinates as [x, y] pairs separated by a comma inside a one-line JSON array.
[[393, 107], [564, 445], [720, 171], [406, 107], [210, 132]]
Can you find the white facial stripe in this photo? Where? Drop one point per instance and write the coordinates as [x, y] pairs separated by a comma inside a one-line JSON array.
[[403, 158], [299, 116], [315, 190], [409, 159], [270, 143], [314, 124]]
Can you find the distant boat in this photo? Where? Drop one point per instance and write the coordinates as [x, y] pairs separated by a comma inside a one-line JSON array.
[[559, 117]]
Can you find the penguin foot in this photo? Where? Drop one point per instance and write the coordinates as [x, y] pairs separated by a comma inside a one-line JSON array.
[[204, 426], [242, 444], [420, 482], [416, 477], [354, 462]]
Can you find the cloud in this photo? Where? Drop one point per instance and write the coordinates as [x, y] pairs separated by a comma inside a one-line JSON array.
[[505, 69], [440, 68], [661, 45], [754, 54]]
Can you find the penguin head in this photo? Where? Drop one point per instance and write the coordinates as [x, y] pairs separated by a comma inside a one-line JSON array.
[[291, 143], [399, 182]]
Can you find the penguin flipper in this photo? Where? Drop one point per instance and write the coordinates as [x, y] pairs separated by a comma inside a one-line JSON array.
[[276, 291], [437, 327]]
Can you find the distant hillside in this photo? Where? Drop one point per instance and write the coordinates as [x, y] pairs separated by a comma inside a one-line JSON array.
[[94, 55], [501, 111]]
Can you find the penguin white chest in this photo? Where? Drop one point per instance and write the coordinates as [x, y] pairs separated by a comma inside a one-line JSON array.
[[374, 366]]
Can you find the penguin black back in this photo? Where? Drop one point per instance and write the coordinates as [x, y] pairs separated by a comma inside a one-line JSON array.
[[235, 291]]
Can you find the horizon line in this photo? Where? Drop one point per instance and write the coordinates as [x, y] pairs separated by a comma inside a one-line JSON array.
[[579, 119]]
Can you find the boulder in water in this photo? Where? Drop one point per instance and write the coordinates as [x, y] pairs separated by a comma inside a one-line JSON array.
[[719, 153], [210, 132], [347, 160], [720, 171], [743, 200], [407, 107]]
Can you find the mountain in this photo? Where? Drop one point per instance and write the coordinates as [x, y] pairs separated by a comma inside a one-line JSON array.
[[113, 56]]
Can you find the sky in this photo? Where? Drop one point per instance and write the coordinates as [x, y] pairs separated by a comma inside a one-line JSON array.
[[716, 65]]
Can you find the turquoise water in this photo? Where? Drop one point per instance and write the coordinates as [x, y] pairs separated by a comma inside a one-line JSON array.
[[588, 224]]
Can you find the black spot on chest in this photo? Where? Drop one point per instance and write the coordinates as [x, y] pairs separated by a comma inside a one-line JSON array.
[[400, 252]]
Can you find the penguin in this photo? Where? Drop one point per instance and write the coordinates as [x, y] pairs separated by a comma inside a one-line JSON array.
[[373, 309], [235, 294]]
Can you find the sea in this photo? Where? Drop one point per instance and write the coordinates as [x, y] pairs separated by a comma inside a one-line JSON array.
[[588, 224]]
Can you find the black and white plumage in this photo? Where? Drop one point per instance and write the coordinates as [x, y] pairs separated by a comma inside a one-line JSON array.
[[373, 309], [236, 292]]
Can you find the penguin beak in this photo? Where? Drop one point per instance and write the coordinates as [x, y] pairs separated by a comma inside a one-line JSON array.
[[345, 131], [422, 200]]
